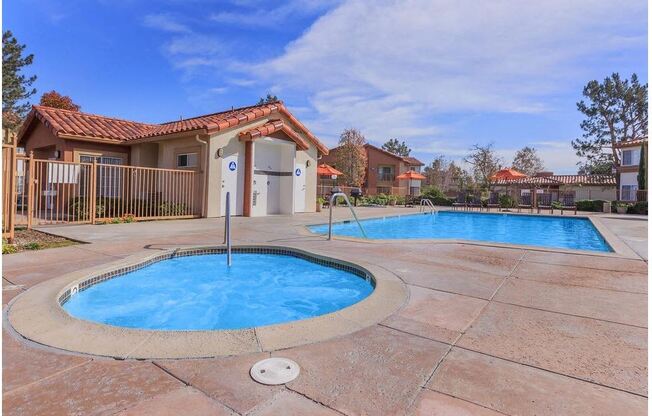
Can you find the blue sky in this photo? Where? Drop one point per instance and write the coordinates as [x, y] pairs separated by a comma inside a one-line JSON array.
[[440, 74]]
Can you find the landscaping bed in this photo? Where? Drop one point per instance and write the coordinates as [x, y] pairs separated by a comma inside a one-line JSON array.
[[25, 239]]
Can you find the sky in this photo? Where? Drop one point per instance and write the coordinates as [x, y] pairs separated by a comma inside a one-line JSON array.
[[442, 75]]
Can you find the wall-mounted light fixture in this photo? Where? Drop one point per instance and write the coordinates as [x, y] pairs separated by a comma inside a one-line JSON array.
[[220, 152], [307, 163], [57, 154]]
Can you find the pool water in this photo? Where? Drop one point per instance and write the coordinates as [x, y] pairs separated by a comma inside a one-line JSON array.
[[202, 293], [533, 230]]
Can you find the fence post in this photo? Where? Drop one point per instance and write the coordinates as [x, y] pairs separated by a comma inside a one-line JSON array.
[[30, 189], [93, 198], [14, 195]]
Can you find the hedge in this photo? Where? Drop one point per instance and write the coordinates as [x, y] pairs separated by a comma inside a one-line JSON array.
[[590, 205]]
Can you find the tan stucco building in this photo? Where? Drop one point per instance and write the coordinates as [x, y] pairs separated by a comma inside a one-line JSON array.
[[262, 155]]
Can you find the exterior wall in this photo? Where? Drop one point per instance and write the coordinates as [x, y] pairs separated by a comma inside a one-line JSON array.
[[231, 144], [606, 193], [145, 154]]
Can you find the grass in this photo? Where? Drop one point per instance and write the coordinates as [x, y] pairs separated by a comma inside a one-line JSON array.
[[27, 240]]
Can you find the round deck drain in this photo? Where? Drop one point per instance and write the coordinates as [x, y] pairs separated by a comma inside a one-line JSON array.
[[273, 371]]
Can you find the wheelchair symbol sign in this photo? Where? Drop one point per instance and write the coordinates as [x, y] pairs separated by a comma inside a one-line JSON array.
[[232, 166]]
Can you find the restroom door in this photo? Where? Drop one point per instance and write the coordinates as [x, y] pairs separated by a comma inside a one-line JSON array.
[[299, 188], [230, 168]]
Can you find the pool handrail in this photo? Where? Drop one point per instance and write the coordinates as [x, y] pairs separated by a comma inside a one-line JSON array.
[[330, 214], [426, 202], [227, 228]]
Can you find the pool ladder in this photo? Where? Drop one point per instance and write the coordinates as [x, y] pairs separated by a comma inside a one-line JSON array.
[[227, 229], [330, 214], [425, 202]]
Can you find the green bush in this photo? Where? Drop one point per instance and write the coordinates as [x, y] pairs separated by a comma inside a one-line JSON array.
[[31, 246], [638, 208], [9, 248], [432, 192], [590, 205], [556, 205], [171, 209], [506, 201]]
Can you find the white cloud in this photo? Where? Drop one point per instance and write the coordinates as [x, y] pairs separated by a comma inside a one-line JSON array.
[[165, 23], [267, 17], [389, 68]]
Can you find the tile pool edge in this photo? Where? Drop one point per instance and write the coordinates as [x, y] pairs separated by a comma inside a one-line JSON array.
[[620, 249], [37, 316]]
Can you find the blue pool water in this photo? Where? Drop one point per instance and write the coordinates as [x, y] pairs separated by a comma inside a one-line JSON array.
[[202, 293], [558, 232]]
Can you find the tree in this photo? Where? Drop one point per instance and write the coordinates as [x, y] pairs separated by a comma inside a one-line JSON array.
[[16, 86], [351, 157], [268, 100], [436, 173], [393, 146], [616, 111], [55, 100], [484, 162], [527, 161], [642, 169]]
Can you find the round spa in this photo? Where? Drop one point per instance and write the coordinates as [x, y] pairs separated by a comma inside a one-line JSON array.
[[196, 290]]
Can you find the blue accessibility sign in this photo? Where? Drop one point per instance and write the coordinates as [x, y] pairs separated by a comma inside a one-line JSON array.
[[232, 166], [297, 172]]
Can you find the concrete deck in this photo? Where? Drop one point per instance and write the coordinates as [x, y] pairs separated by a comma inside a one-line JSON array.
[[487, 330]]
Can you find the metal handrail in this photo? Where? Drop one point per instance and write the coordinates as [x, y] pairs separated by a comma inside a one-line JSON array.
[[424, 202], [330, 214], [227, 229]]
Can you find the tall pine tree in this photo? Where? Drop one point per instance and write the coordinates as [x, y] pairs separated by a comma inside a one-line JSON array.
[[16, 86]]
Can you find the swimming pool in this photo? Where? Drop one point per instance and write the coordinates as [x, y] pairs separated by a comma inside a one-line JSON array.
[[199, 292], [533, 230]]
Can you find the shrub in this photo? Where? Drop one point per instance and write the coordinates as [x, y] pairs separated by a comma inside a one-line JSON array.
[[506, 201], [171, 209], [31, 246], [432, 192], [9, 248], [556, 205], [638, 208], [590, 205]]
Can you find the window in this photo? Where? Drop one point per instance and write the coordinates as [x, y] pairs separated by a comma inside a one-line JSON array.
[[386, 173], [187, 160], [109, 179], [383, 190], [630, 157], [628, 192]]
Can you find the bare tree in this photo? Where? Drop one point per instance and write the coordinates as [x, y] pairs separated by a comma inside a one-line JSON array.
[[528, 161], [351, 157], [485, 162]]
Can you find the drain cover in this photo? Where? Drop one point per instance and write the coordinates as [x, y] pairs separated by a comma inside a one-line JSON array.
[[273, 371]]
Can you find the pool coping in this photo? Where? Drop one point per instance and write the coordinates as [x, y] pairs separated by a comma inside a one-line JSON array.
[[619, 247], [37, 316]]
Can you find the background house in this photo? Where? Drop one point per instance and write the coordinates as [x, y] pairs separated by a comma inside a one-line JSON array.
[[261, 154], [630, 153], [602, 187], [382, 170]]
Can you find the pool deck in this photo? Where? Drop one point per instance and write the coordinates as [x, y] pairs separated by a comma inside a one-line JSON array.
[[486, 330]]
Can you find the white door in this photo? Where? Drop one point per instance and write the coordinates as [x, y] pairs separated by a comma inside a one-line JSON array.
[[299, 188], [230, 168], [259, 197]]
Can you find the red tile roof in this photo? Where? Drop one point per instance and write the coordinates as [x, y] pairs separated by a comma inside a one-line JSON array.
[[595, 180], [413, 161], [271, 127], [632, 143], [66, 124]]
